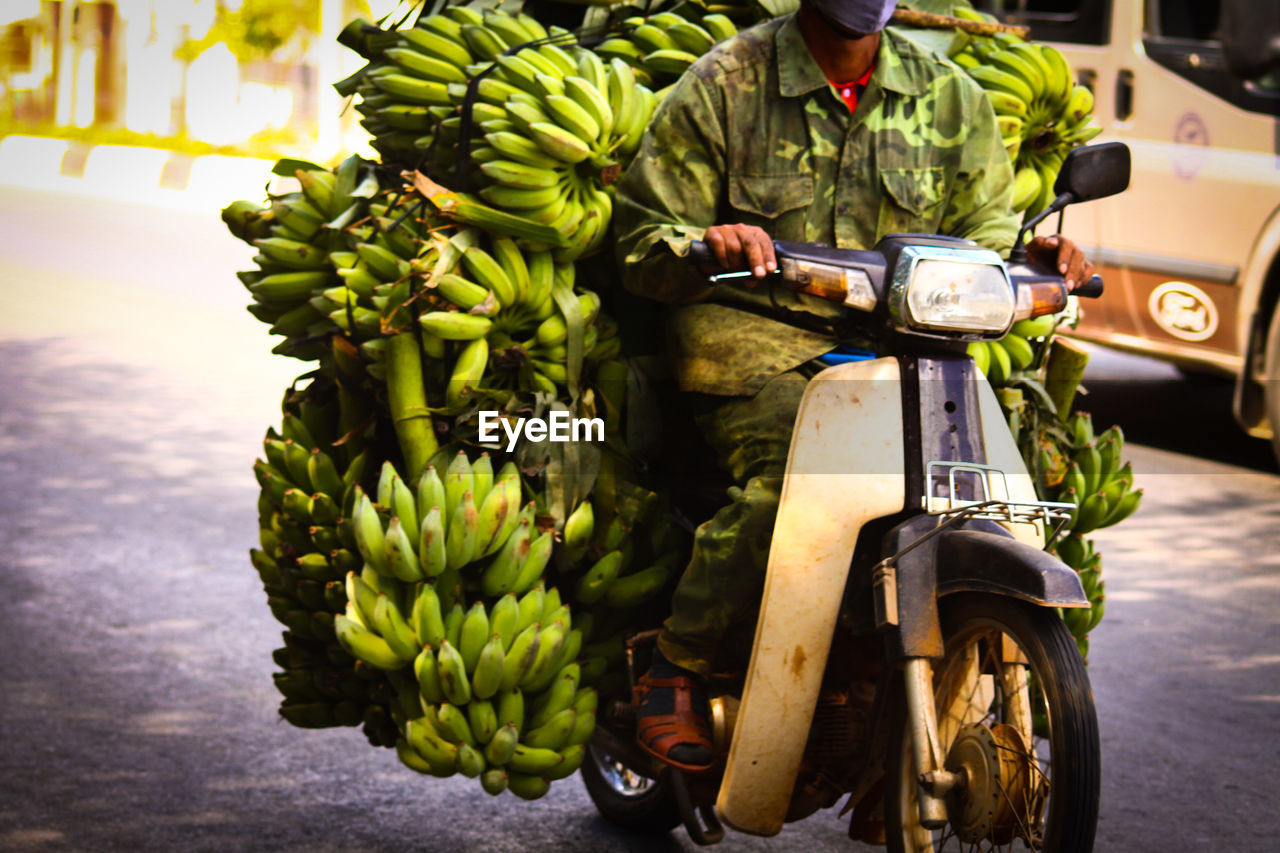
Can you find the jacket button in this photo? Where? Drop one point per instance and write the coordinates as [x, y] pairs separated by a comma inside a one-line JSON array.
[[842, 209]]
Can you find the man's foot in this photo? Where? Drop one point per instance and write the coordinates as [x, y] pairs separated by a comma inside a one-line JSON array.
[[672, 717]]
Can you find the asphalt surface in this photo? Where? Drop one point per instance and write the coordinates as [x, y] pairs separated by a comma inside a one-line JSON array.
[[136, 704]]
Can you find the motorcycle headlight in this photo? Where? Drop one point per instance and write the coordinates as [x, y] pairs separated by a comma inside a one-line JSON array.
[[961, 291]]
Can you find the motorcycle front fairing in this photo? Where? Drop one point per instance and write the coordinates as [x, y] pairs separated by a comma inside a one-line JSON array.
[[866, 433]]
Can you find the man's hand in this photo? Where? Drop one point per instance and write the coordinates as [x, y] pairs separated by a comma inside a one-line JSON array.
[[1059, 252], [739, 247]]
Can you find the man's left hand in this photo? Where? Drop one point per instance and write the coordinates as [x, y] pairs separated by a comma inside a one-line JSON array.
[[1065, 256]]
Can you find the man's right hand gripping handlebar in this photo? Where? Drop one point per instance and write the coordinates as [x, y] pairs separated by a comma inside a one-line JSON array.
[[736, 247]]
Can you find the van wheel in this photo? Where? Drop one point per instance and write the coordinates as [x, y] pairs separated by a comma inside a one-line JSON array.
[[1271, 386]]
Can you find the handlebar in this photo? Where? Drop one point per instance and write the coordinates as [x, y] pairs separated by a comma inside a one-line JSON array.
[[701, 255]]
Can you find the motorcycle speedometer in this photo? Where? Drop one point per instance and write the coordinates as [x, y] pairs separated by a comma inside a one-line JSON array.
[[960, 291]]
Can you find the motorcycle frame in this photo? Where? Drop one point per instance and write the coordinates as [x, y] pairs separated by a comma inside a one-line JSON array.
[[866, 434]]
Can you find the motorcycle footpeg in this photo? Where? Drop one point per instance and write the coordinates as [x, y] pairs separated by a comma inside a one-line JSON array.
[[713, 832]]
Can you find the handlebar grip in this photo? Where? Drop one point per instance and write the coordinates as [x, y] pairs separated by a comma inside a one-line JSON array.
[[700, 255], [1091, 289]]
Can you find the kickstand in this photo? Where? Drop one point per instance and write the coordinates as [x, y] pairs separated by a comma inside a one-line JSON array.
[[714, 832]]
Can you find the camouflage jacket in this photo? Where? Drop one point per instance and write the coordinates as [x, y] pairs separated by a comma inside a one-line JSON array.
[[754, 133]]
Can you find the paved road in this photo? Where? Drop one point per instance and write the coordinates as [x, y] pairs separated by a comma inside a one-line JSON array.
[[136, 706]]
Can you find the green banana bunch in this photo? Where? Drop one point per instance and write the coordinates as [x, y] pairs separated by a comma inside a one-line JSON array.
[[1041, 112]]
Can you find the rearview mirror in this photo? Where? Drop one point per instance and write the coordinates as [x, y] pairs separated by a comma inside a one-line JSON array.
[[1250, 37], [1094, 171]]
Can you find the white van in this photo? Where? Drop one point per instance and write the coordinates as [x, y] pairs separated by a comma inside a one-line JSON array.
[[1191, 253]]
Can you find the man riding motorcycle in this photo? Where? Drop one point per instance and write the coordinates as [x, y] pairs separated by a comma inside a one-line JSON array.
[[819, 126]]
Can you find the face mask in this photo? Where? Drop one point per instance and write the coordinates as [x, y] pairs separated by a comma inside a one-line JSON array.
[[857, 16]]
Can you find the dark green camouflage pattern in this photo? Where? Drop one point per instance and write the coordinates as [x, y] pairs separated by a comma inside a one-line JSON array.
[[721, 587], [754, 133]]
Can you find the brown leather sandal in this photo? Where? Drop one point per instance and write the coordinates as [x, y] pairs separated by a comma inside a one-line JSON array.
[[681, 739]]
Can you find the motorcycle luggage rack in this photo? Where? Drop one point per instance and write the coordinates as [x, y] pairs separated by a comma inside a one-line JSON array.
[[993, 505]]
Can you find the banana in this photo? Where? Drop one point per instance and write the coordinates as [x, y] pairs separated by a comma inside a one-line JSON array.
[[391, 624], [590, 99], [1060, 81], [453, 674], [1093, 510], [571, 760], [399, 553], [454, 726], [461, 292], [369, 536], [550, 641], [500, 575], [511, 709], [502, 745], [487, 677], [292, 253], [650, 38], [502, 619], [483, 42], [530, 608], [1016, 66], [460, 542], [584, 725], [489, 272], [560, 696], [366, 645], [494, 780], [520, 658], [553, 734], [453, 326], [432, 551], [425, 616], [690, 37], [994, 79], [468, 371], [289, 286], [441, 755], [426, 67], [528, 786], [526, 759], [522, 150], [1021, 355], [474, 636], [561, 144], [719, 26], [636, 588], [673, 62], [436, 45], [492, 514], [470, 761], [428, 675], [621, 49], [511, 173], [534, 563], [579, 526], [483, 720], [430, 489], [519, 198], [596, 582], [414, 89], [510, 30]]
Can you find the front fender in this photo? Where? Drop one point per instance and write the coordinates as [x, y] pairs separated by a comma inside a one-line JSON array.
[[978, 561]]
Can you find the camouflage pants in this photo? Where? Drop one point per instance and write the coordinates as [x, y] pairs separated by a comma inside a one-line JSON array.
[[722, 584]]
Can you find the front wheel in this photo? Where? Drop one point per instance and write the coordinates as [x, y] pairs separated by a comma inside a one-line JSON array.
[[1016, 715]]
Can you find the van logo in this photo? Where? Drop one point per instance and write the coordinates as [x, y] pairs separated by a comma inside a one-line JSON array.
[[1184, 311]]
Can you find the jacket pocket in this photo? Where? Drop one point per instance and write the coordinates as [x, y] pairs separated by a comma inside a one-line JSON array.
[[913, 200], [770, 196], [777, 203]]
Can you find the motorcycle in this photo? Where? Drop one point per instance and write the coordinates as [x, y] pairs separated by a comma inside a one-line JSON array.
[[908, 654]]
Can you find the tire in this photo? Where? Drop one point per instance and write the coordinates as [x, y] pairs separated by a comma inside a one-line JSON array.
[[1064, 765], [627, 798], [1271, 382]]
